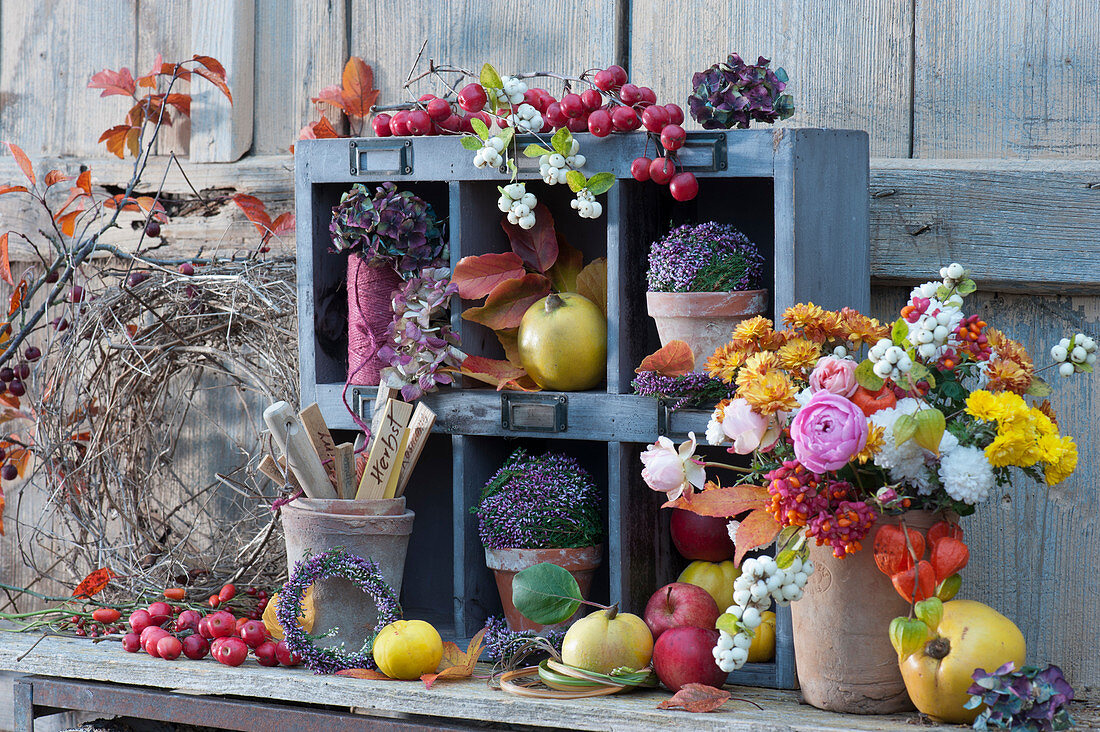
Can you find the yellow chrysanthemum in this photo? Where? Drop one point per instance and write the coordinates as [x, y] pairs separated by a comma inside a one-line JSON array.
[[725, 361], [1043, 426], [755, 329], [799, 355], [768, 393], [803, 314], [1065, 463], [816, 324], [1006, 375], [875, 440], [981, 404], [763, 362]]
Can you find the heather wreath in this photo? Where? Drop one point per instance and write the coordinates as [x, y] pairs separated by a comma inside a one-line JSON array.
[[707, 257], [544, 502]]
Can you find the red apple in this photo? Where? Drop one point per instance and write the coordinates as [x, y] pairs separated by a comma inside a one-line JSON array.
[[683, 656], [680, 604], [701, 537]]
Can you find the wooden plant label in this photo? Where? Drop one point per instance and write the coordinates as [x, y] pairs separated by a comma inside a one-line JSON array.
[[385, 455], [344, 467], [385, 394], [319, 436], [276, 470], [420, 427]]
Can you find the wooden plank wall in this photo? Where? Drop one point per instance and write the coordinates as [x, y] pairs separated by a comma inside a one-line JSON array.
[[984, 126]]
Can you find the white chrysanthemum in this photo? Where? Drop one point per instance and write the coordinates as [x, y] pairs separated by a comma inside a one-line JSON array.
[[714, 433], [802, 397], [907, 463], [966, 474]]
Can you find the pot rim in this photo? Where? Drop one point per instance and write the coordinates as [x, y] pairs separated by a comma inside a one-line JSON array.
[[508, 559]]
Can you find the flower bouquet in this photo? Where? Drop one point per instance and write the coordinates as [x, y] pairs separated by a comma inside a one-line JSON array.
[[847, 421]]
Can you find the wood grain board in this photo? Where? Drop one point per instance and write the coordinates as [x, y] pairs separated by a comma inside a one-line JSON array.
[[221, 129]]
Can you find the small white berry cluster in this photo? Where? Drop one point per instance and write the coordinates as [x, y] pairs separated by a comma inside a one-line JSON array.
[[586, 204], [953, 274], [554, 167], [526, 119], [490, 154], [931, 333], [518, 204], [890, 361], [1073, 353], [762, 580], [513, 91]]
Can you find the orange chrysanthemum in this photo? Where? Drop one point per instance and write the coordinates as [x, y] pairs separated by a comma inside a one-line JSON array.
[[1006, 375], [759, 364], [768, 393], [725, 361], [875, 440], [756, 329], [799, 355], [816, 324], [860, 329]]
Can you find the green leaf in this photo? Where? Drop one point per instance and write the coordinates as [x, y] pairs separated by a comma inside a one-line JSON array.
[[904, 428], [480, 128], [942, 293], [490, 79], [787, 536], [471, 143], [601, 183], [512, 167], [867, 378], [546, 594], [728, 623], [1084, 368], [576, 180], [784, 558], [507, 134], [534, 151], [919, 372], [966, 287], [899, 332], [562, 141]]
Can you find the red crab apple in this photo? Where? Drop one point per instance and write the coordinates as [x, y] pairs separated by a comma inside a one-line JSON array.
[[701, 537], [683, 656], [680, 604]]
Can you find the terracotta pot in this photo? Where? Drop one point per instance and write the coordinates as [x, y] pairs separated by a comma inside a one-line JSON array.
[[703, 320], [505, 563], [372, 529], [841, 630], [370, 313]]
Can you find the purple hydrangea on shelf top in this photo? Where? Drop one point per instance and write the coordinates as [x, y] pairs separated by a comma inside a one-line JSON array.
[[422, 350], [1030, 700], [393, 227], [733, 94], [687, 390], [707, 257], [545, 502]]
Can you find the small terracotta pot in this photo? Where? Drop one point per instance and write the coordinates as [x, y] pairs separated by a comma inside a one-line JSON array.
[[841, 629], [581, 562], [372, 529], [703, 320]]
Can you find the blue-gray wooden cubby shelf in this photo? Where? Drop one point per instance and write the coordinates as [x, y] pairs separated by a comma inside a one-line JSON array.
[[801, 194]]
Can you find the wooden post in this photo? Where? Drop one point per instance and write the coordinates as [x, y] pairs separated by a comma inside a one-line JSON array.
[[222, 132]]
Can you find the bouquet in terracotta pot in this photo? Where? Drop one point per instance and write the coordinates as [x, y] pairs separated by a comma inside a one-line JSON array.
[[844, 419], [703, 279]]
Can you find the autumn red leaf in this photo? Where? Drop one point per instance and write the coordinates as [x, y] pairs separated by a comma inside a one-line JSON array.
[[120, 138], [54, 177], [5, 260], [509, 341], [364, 673], [592, 283], [1, 513], [67, 221], [891, 553], [500, 374], [456, 664], [696, 698], [20, 458], [757, 529], [182, 103], [17, 296], [322, 129], [215, 76], [673, 359], [255, 211], [477, 276], [723, 501], [119, 82], [284, 223], [537, 246], [506, 304], [84, 181], [949, 555], [23, 161], [94, 583], [359, 93], [12, 189], [211, 63], [923, 576]]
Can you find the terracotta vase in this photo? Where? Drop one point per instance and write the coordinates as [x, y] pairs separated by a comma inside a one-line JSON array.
[[703, 320], [581, 562], [370, 313], [841, 629], [372, 529]]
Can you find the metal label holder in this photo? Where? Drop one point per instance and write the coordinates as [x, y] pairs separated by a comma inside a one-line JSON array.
[[534, 412], [381, 157]]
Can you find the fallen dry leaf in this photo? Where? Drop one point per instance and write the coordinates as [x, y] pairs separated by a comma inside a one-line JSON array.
[[696, 698], [458, 665], [364, 673]]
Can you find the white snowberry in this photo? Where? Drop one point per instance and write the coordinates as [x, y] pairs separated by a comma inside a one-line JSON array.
[[1066, 369]]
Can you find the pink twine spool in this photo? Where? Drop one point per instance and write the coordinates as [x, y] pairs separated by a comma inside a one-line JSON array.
[[370, 312]]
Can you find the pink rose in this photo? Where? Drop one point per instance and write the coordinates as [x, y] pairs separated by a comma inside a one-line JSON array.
[[837, 375], [670, 471], [828, 432], [748, 430]]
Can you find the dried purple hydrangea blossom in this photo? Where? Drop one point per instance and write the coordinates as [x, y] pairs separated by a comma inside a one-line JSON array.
[[422, 347], [397, 228], [1029, 700], [541, 502], [733, 94], [707, 257]]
